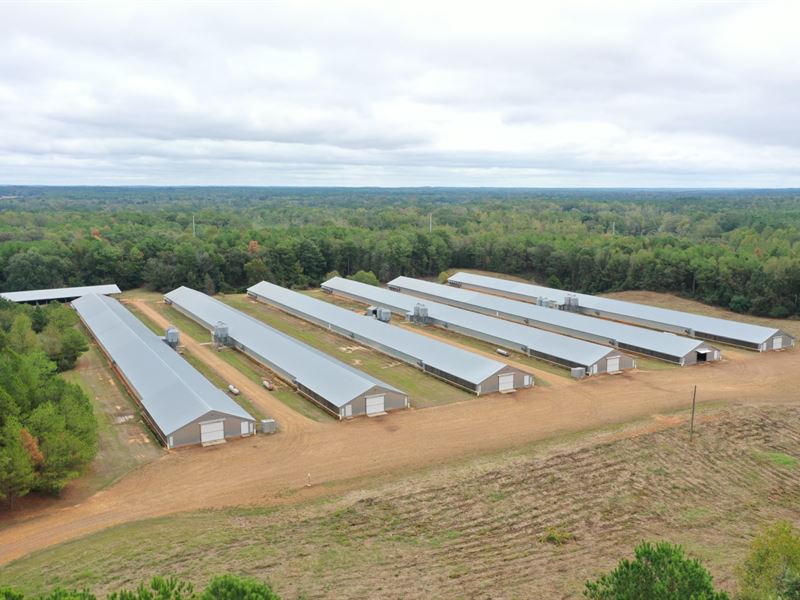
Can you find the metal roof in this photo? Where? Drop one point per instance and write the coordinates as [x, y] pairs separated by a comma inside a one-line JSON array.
[[657, 341], [172, 392], [465, 365], [725, 328], [59, 293], [554, 344], [333, 380]]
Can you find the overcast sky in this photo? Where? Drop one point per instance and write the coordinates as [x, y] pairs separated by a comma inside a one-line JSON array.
[[377, 93]]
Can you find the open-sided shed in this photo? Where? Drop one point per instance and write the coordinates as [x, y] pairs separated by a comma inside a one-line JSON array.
[[181, 406]]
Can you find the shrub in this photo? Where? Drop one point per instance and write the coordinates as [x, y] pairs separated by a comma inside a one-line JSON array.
[[659, 572], [772, 566]]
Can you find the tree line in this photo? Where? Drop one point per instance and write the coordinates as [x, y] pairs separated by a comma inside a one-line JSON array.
[[48, 432], [739, 250]]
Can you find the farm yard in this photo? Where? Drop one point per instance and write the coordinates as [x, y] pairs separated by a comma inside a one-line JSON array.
[[396, 302], [537, 521], [600, 469]]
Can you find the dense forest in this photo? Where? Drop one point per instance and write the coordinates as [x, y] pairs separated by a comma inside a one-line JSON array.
[[738, 249], [47, 427]]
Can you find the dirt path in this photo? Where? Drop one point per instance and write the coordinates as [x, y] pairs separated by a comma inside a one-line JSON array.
[[289, 421], [338, 456]]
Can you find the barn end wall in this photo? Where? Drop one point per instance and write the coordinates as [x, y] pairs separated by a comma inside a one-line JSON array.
[[189, 434]]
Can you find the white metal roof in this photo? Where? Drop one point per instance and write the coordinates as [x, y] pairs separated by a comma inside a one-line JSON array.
[[59, 293], [554, 344], [657, 341], [465, 365], [735, 330], [170, 389], [333, 380]]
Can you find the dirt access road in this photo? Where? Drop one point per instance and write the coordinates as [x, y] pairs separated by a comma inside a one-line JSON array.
[[355, 454]]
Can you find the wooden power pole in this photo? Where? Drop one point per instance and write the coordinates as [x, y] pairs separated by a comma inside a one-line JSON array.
[[691, 424]]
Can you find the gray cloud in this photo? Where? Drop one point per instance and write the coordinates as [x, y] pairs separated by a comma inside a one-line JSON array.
[[578, 93]]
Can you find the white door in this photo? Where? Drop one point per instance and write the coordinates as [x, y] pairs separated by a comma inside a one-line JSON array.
[[348, 410], [528, 380], [212, 432], [506, 382], [375, 405], [612, 364], [245, 427], [777, 343]]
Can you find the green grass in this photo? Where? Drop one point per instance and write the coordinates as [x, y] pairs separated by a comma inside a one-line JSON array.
[[151, 325], [779, 459], [652, 364], [423, 390], [184, 324]]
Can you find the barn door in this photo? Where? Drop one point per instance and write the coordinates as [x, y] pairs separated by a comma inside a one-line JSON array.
[[506, 382], [375, 405], [212, 432]]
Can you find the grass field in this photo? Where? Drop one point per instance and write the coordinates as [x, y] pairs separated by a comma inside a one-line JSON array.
[[485, 528], [423, 390]]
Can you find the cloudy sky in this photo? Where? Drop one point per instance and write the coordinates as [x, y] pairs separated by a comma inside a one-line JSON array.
[[376, 93]]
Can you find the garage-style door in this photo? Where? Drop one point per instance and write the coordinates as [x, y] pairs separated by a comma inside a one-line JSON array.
[[212, 432], [507, 382], [777, 343], [375, 405], [612, 364]]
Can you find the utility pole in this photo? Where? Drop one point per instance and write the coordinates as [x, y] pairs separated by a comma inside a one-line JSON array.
[[613, 228], [430, 223], [691, 425], [194, 231]]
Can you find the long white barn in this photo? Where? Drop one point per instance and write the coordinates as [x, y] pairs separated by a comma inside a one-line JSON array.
[[659, 344], [558, 349], [736, 333], [466, 370]]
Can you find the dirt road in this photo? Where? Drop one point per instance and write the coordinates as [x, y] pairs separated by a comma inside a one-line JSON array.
[[342, 455]]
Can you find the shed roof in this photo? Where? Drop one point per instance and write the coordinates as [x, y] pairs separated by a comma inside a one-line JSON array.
[[657, 341], [556, 345], [59, 293], [725, 328], [170, 389], [333, 380], [448, 359]]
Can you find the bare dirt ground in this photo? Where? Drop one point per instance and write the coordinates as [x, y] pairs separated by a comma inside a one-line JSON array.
[[535, 523]]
